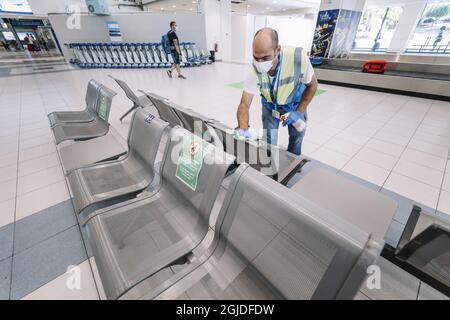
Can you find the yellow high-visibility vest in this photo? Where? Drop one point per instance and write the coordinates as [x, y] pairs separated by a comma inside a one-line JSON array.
[[294, 62]]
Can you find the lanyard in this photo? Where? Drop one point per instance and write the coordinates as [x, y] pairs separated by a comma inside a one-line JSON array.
[[275, 82]]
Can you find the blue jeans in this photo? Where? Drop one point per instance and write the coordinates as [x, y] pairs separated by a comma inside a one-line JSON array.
[[270, 126]]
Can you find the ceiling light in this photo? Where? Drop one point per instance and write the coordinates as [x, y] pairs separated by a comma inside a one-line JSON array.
[[174, 6]]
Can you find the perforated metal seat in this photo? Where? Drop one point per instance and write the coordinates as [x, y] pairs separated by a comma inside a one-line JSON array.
[[271, 160], [165, 112], [271, 243], [424, 247], [128, 176], [83, 153], [135, 239], [138, 102], [85, 131], [86, 115], [179, 116]]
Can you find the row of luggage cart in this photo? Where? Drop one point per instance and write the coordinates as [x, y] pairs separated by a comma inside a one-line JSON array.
[[134, 55]]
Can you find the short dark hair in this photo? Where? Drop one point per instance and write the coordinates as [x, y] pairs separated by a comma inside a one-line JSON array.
[[273, 34], [172, 23]]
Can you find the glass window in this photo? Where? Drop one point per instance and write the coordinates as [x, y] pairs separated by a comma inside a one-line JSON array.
[[376, 29], [432, 34]]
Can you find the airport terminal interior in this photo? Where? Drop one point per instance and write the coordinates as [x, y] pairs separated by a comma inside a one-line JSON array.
[[121, 180]]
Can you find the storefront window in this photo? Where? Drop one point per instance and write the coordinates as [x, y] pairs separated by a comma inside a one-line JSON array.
[[432, 35], [376, 29]]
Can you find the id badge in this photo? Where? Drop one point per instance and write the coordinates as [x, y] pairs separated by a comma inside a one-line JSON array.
[[276, 114]]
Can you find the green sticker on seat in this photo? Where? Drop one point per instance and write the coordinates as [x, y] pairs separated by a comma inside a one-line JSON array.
[[102, 109], [190, 161]]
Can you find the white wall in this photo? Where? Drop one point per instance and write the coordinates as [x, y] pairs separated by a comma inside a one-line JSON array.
[[225, 29], [355, 5], [211, 10], [239, 37], [330, 4], [242, 33], [260, 22], [249, 38], [293, 31], [218, 26], [135, 27], [44, 7]]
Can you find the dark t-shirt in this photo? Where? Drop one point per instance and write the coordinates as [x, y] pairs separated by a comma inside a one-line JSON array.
[[172, 36]]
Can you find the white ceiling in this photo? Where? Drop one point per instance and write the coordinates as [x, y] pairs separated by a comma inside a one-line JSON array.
[[241, 6], [273, 6], [399, 3]]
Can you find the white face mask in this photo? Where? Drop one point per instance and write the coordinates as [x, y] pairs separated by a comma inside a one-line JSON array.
[[263, 66], [176, 28]]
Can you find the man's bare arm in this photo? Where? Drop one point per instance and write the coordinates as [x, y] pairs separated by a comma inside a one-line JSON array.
[[243, 110], [308, 95], [177, 47]]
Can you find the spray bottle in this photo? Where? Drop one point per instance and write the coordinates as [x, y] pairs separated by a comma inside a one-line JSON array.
[[300, 125]]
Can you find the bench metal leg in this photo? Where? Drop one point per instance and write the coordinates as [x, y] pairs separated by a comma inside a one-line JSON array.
[[297, 169], [134, 107]]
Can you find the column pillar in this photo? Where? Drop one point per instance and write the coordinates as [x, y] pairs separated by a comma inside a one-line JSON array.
[[218, 26], [406, 26], [333, 37]]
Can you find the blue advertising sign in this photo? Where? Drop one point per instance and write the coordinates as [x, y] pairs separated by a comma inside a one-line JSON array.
[[323, 35], [114, 31], [345, 33]]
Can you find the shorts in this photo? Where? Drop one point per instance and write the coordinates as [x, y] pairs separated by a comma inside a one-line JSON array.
[[175, 57]]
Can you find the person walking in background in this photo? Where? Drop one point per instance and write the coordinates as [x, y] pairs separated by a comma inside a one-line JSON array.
[[42, 43], [439, 37], [175, 50], [28, 43]]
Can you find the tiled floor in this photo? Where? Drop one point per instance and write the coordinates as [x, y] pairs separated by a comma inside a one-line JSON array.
[[393, 143]]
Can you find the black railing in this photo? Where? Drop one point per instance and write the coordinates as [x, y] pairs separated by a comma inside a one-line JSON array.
[[429, 49]]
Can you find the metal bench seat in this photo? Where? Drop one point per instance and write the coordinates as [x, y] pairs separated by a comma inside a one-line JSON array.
[[271, 243], [424, 248], [86, 115], [118, 178], [179, 116], [133, 240], [164, 110], [85, 131], [138, 102], [273, 161], [83, 153]]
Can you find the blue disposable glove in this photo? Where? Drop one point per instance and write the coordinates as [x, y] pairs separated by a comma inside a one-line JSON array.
[[244, 133], [294, 116]]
